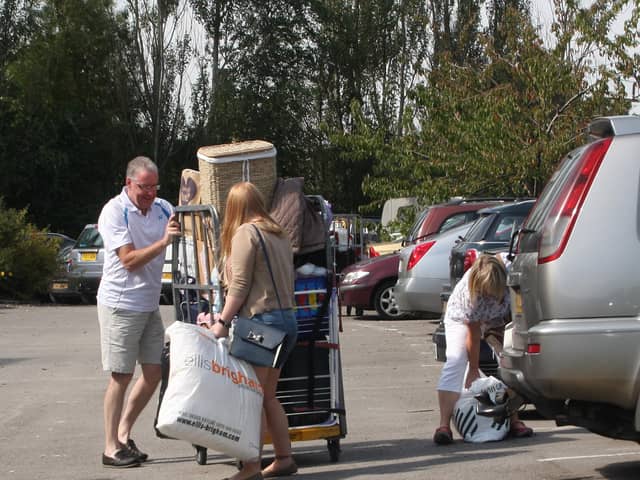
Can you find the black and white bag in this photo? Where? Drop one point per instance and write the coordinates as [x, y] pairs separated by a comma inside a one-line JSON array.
[[477, 428]]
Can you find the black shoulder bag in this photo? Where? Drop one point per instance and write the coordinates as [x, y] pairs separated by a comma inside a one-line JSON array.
[[252, 340]]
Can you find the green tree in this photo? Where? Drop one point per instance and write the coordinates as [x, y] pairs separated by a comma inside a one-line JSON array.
[[369, 53], [260, 86], [27, 256], [67, 121], [498, 129], [156, 61]]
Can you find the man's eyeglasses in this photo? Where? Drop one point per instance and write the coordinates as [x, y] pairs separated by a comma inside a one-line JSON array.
[[147, 188]]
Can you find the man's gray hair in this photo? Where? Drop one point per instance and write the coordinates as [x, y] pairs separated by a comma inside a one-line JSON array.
[[140, 163]]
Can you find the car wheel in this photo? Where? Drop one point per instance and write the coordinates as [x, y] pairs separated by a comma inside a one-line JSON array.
[[384, 301]]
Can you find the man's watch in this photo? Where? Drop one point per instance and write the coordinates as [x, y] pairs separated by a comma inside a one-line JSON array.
[[225, 324]]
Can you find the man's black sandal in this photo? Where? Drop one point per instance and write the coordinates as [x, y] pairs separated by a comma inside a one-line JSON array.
[[133, 448], [121, 459]]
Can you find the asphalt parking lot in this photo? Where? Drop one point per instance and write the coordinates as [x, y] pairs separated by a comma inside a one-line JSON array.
[[51, 388]]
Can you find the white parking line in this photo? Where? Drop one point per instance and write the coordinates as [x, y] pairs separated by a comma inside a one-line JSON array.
[[581, 457]]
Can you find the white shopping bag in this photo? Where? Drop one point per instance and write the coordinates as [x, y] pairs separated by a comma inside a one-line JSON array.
[[477, 428], [212, 399]]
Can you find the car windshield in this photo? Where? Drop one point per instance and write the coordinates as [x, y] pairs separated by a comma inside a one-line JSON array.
[[504, 228], [89, 238], [476, 232], [416, 225], [63, 241]]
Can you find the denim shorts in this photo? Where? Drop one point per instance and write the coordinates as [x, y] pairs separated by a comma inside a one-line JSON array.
[[286, 321]]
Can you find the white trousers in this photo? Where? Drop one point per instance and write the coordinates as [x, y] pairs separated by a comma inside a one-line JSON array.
[[455, 368]]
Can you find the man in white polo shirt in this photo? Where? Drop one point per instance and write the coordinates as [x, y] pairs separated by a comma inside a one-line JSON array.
[[136, 227]]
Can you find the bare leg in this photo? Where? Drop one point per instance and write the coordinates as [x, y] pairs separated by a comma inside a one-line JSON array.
[[113, 401], [277, 425], [447, 401], [138, 398]]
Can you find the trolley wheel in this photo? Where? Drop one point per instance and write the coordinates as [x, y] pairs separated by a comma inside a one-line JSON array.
[[201, 455], [334, 450], [359, 312]]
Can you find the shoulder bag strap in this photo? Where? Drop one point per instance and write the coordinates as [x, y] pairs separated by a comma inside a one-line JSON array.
[[266, 256]]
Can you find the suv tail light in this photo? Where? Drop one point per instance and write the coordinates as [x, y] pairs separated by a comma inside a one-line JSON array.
[[470, 256], [418, 252], [564, 212]]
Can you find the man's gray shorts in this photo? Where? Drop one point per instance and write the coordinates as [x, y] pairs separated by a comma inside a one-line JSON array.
[[127, 336]]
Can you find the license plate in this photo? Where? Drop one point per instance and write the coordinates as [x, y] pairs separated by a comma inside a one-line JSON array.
[[59, 285], [88, 256], [166, 276], [507, 341]]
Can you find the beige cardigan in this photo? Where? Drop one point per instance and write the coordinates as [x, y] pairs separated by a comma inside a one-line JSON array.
[[249, 275]]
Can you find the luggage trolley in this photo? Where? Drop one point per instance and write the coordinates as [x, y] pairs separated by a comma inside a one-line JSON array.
[[310, 386], [194, 284]]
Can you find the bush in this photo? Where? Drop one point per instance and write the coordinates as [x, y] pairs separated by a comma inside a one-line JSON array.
[[27, 256]]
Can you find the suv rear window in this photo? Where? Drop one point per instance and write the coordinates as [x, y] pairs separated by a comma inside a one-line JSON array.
[[548, 197], [89, 238]]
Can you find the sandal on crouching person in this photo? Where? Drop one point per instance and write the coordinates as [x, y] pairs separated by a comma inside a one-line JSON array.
[[443, 436], [520, 430]]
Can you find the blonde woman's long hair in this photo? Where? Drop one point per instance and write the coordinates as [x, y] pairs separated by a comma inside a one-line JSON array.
[[245, 203], [488, 277]]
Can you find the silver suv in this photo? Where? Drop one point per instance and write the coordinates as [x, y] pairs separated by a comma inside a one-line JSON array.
[[573, 347]]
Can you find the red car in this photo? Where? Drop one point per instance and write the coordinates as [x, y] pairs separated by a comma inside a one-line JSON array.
[[368, 285]]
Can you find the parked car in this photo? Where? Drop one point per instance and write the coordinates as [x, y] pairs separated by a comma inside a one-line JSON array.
[[65, 243], [87, 259], [348, 239], [59, 288], [491, 232], [368, 285], [572, 346], [423, 270]]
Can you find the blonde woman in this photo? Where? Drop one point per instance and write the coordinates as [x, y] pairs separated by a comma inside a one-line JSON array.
[[250, 292], [478, 303]]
